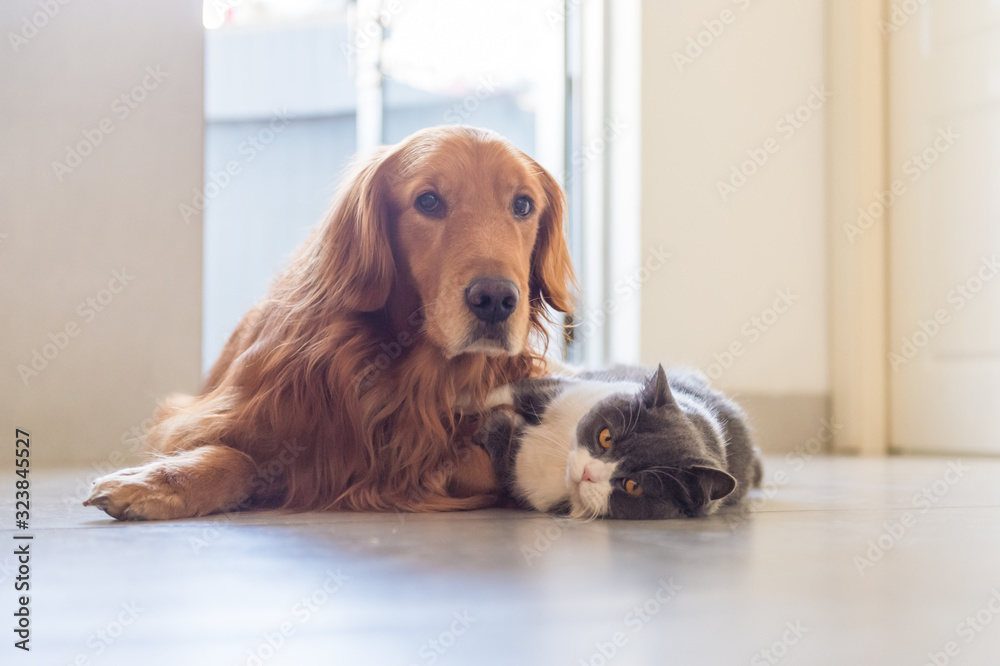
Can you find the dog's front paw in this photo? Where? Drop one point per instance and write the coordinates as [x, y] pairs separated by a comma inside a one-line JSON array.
[[137, 493]]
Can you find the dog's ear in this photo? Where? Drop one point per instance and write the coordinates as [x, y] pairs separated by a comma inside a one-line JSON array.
[[359, 265], [552, 275]]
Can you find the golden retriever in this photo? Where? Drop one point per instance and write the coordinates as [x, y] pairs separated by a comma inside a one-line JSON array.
[[426, 286]]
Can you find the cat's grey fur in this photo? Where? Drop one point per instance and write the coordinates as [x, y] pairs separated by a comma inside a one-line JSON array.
[[685, 445]]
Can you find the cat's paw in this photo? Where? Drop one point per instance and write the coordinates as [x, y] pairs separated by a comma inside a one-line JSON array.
[[137, 493]]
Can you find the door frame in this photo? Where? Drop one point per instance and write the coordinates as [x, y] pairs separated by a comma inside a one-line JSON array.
[[857, 162]]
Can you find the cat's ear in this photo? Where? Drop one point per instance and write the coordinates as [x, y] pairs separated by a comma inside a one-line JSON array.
[[698, 487], [715, 483], [656, 393]]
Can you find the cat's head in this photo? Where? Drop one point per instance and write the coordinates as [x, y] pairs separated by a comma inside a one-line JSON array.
[[640, 456]]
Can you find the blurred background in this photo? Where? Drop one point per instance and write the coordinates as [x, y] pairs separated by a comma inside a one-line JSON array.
[[797, 198]]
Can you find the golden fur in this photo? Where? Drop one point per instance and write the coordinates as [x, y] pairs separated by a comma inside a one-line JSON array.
[[340, 389]]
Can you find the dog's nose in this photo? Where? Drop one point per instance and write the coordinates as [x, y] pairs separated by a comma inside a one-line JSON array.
[[491, 299]]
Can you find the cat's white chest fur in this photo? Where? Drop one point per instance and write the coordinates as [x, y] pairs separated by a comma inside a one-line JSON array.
[[550, 465]]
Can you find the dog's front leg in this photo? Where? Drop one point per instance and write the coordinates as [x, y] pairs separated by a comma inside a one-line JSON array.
[[207, 479]]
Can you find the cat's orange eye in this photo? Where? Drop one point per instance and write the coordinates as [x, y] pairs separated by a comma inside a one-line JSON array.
[[605, 439], [633, 488]]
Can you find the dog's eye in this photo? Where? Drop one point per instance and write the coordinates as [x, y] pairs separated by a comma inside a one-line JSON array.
[[523, 206], [428, 202]]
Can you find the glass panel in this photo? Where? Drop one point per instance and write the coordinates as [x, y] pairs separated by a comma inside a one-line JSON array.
[[477, 63], [280, 128], [230, 13]]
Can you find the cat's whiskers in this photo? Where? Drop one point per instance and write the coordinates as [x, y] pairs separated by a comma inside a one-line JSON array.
[[554, 448], [624, 421], [633, 420], [665, 471], [595, 512], [585, 512]]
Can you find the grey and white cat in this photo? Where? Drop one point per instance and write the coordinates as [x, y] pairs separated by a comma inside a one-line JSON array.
[[623, 443]]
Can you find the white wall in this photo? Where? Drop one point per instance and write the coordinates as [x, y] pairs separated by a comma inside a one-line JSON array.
[[729, 259], [63, 235]]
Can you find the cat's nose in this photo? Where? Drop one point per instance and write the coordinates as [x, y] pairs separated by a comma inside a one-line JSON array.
[[586, 475]]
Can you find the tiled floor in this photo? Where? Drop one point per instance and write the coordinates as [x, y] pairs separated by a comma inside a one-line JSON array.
[[842, 561]]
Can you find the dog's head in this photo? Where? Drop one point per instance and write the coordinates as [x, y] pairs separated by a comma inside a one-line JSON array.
[[459, 227]]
